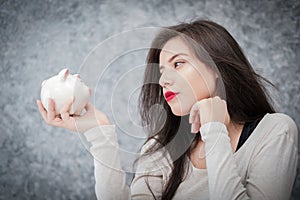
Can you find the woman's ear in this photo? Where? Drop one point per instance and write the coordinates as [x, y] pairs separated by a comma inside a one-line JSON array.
[[217, 85], [216, 75]]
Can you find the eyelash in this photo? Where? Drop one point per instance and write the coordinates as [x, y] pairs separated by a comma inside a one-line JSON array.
[[176, 63]]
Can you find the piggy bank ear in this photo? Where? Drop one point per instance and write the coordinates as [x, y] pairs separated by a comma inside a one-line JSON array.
[[43, 83], [77, 75], [63, 74]]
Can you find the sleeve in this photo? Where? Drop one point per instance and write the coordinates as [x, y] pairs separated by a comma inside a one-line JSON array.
[[109, 177], [271, 173]]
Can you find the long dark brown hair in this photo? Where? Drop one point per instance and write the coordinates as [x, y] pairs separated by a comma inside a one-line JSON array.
[[246, 96]]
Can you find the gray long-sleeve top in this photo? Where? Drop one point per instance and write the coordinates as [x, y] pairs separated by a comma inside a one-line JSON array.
[[263, 168]]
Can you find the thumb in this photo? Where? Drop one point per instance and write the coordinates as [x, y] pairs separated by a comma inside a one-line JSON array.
[[227, 119], [89, 106]]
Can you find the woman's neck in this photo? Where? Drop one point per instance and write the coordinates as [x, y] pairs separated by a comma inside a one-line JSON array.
[[234, 133]]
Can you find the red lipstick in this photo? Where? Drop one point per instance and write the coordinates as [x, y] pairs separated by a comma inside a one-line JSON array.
[[170, 95]]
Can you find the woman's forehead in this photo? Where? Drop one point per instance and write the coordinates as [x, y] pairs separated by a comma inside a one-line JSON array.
[[172, 47]]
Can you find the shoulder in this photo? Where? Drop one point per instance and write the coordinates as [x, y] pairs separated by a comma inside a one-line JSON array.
[[283, 119], [279, 124]]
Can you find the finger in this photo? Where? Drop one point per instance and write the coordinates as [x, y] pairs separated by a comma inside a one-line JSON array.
[[42, 109], [192, 128], [89, 106], [57, 120], [195, 127], [191, 117], [193, 113], [51, 110], [65, 116], [66, 108], [197, 116], [227, 117]]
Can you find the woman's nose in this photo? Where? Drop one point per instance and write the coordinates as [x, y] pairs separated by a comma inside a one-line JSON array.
[[165, 80]]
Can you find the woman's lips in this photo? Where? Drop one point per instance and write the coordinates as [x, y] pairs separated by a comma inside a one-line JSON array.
[[170, 95]]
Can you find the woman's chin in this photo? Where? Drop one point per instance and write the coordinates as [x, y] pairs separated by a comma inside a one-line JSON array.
[[180, 113], [179, 108]]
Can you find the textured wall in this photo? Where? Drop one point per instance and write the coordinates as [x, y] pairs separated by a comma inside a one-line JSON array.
[[39, 37]]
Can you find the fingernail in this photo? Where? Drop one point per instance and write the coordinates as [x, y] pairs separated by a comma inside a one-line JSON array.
[[195, 130]]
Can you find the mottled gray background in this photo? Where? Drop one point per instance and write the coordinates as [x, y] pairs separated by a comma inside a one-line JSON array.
[[38, 38]]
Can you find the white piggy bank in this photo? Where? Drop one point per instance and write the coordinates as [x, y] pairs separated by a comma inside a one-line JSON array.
[[63, 87]]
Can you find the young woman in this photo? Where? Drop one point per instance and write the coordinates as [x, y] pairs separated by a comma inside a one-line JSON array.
[[220, 137]]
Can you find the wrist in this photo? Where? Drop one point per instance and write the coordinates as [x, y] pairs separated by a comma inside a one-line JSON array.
[[104, 120], [213, 130]]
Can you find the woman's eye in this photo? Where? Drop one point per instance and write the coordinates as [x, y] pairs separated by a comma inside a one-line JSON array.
[[176, 64]]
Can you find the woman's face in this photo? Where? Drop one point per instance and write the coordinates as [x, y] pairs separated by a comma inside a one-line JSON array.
[[185, 75]]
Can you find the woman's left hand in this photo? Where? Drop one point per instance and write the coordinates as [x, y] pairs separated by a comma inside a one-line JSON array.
[[212, 109]]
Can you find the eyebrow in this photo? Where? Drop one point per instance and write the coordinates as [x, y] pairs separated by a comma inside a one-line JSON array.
[[173, 57]]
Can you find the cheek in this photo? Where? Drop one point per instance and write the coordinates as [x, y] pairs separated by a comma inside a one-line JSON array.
[[199, 87], [193, 88]]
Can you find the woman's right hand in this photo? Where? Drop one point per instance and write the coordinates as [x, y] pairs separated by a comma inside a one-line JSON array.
[[90, 119]]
